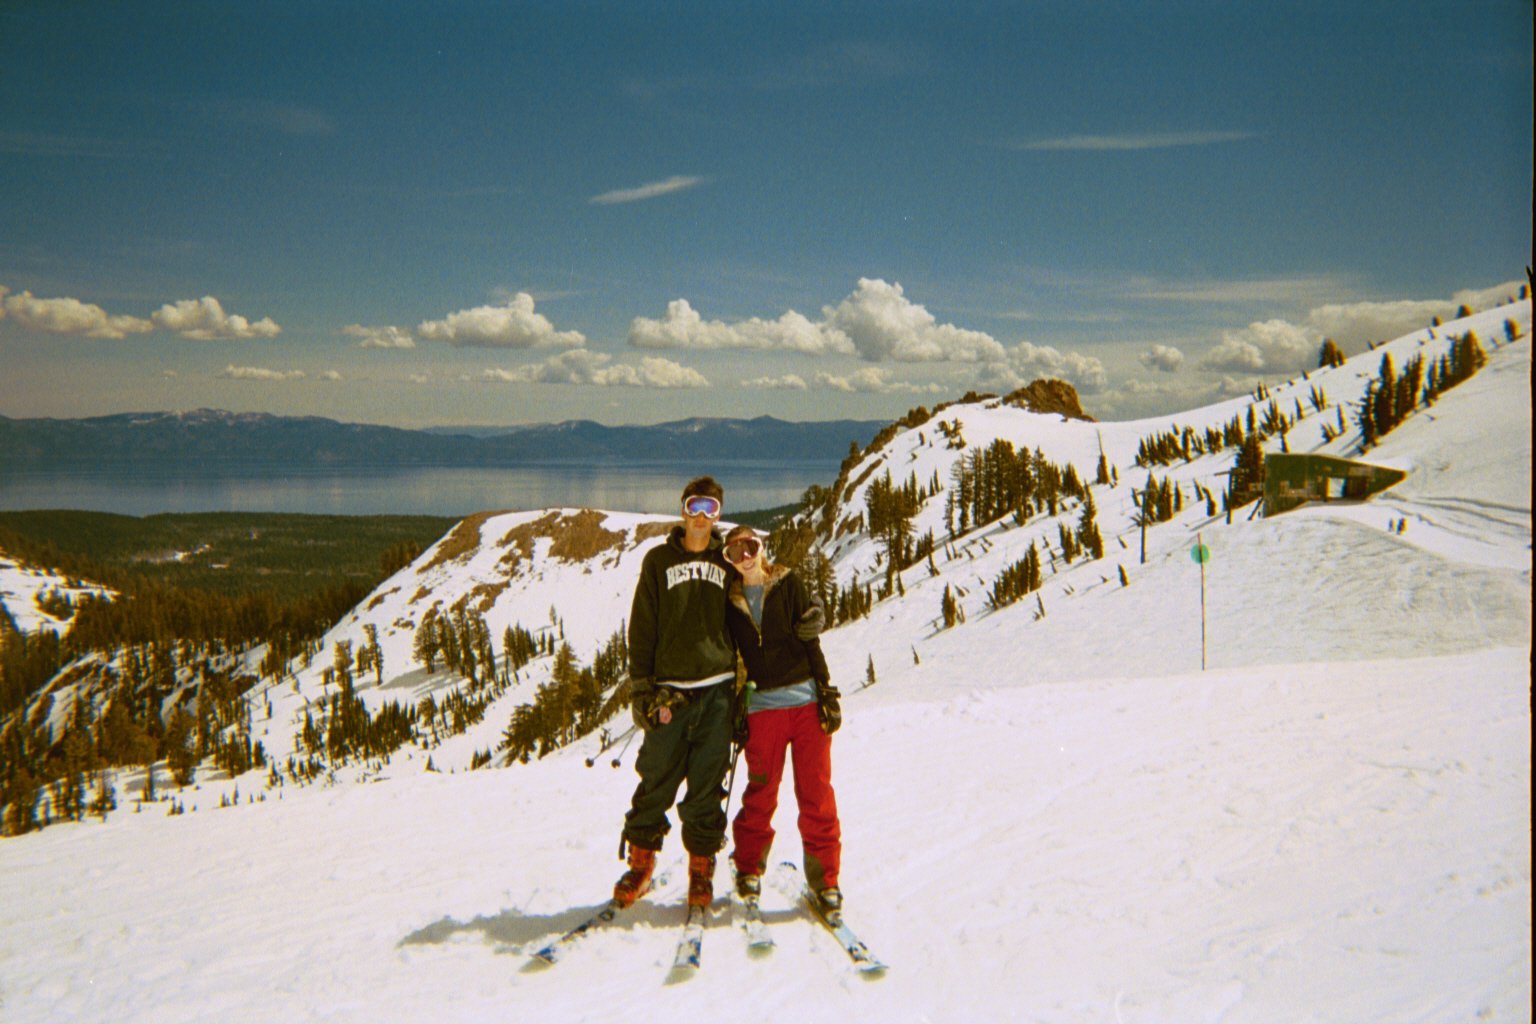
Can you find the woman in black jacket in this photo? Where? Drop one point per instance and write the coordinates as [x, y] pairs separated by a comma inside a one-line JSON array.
[[792, 712]]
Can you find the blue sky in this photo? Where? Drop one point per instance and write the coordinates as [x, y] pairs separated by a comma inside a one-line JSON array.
[[486, 213]]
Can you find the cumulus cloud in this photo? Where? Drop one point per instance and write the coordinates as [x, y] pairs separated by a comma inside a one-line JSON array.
[[583, 366], [884, 324], [67, 316], [514, 325], [681, 327], [1272, 346], [259, 374], [876, 322], [1026, 362], [1355, 324], [1487, 298], [204, 319], [677, 183], [1162, 357], [1282, 346], [380, 337]]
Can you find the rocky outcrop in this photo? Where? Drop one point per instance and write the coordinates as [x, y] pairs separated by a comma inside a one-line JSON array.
[[1049, 396]]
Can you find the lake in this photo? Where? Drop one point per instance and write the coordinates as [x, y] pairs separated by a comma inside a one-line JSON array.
[[439, 491]]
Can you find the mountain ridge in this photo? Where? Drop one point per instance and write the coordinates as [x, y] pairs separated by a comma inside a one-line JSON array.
[[216, 436]]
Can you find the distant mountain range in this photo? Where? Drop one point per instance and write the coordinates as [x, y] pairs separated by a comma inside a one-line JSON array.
[[215, 438]]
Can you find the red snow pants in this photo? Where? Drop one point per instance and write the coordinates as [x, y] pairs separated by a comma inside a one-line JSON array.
[[771, 735]]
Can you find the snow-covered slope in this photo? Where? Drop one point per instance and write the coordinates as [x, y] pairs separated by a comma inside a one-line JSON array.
[[1057, 818], [25, 591]]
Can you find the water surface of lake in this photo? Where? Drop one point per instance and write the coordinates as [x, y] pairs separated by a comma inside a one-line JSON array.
[[441, 491]]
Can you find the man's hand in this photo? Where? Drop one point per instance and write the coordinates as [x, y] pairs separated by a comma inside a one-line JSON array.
[[811, 622], [642, 698]]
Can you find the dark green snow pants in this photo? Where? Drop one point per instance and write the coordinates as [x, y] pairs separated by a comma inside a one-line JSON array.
[[694, 747]]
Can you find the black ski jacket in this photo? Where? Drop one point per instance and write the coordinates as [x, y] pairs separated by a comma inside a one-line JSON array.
[[677, 629], [774, 656]]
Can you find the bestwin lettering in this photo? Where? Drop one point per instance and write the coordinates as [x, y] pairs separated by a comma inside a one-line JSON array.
[[687, 572]]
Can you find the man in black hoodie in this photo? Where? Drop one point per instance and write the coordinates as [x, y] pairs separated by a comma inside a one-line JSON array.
[[682, 670]]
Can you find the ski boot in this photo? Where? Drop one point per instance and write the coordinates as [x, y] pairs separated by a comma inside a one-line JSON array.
[[701, 884], [638, 878], [749, 887], [829, 904]]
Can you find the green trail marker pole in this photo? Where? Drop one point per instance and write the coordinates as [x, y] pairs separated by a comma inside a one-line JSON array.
[[1202, 554]]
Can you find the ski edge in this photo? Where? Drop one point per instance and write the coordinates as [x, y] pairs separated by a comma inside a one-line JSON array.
[[554, 951], [862, 957]]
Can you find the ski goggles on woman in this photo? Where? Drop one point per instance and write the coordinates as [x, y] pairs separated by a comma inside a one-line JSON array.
[[742, 548], [702, 505]]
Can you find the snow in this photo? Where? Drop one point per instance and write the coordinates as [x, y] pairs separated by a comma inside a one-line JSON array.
[[22, 586], [1063, 818]]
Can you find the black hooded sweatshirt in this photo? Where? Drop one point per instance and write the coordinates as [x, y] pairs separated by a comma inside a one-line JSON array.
[[677, 631]]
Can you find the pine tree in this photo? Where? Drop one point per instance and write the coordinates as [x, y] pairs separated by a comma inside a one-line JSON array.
[[1330, 355], [425, 646], [952, 612], [1247, 473]]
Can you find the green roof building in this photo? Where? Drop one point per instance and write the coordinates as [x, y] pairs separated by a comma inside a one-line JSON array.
[[1291, 480]]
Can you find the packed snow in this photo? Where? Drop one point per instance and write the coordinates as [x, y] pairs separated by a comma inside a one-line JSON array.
[[1294, 786]]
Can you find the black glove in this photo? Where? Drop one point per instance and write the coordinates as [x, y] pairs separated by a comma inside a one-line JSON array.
[[828, 708], [739, 707], [811, 622], [642, 700]]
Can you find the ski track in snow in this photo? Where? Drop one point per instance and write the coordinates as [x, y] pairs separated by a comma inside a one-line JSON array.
[[1052, 819]]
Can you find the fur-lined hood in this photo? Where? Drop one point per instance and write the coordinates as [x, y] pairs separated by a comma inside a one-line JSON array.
[[737, 595]]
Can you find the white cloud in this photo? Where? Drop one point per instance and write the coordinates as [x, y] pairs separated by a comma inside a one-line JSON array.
[[1136, 141], [875, 322], [329, 375], [1282, 289], [1355, 324], [788, 382], [1162, 357], [884, 324], [681, 327], [67, 316], [874, 380], [380, 337], [259, 374], [583, 366], [514, 325], [1273, 346], [205, 320], [1487, 298], [1026, 362], [1281, 346], [677, 183]]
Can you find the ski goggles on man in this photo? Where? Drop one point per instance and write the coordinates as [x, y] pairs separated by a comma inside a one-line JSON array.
[[702, 505], [742, 548]]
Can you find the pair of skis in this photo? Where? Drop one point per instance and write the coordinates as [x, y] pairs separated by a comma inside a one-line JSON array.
[[688, 957]]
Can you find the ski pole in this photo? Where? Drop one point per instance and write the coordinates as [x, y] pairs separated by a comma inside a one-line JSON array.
[[627, 734], [629, 737], [745, 699]]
